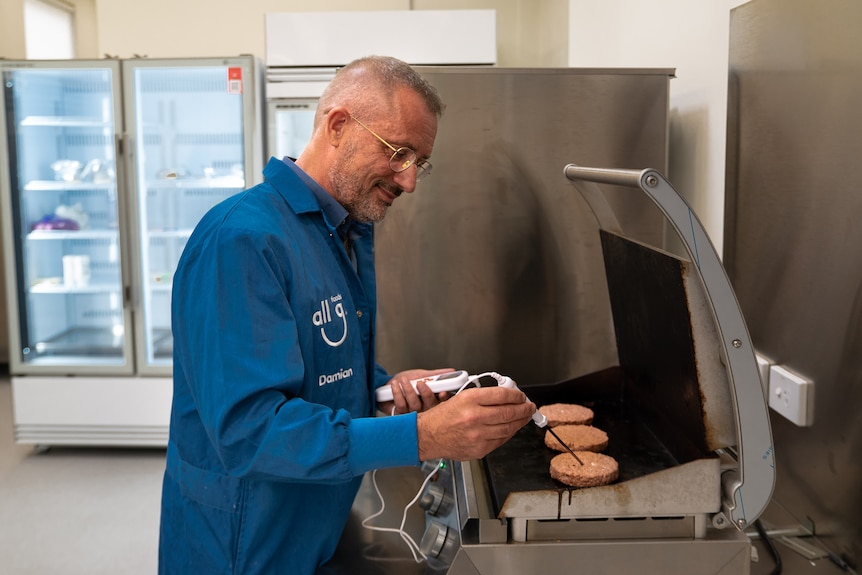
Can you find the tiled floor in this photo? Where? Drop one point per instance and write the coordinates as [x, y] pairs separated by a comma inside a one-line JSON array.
[[76, 511]]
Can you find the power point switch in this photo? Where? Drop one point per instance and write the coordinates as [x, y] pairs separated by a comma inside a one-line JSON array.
[[791, 395]]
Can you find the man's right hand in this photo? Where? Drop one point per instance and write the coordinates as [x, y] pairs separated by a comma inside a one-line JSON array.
[[473, 423]]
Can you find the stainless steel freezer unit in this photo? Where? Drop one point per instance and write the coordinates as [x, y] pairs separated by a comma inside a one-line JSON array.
[[105, 168]]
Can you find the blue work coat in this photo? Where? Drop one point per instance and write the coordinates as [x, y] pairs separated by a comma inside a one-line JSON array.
[[274, 372]]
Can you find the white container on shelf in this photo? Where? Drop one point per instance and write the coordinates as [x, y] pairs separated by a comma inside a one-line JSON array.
[[76, 271]]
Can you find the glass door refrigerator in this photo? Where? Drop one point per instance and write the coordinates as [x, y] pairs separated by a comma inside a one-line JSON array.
[[105, 168]]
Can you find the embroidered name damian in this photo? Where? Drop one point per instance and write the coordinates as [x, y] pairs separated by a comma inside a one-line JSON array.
[[337, 376]]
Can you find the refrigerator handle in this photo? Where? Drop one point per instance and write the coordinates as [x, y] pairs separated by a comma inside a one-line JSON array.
[[125, 149]]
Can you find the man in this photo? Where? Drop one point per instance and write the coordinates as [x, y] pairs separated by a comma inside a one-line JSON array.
[[273, 315]]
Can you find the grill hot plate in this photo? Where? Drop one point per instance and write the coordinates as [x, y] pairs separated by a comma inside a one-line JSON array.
[[523, 463]]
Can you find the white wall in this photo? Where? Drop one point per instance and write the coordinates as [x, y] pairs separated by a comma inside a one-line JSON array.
[[529, 32], [692, 37]]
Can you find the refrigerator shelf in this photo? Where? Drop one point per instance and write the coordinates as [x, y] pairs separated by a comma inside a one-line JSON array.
[[62, 186], [98, 342], [163, 344], [65, 122], [182, 234], [72, 235], [221, 182], [61, 289], [83, 341]]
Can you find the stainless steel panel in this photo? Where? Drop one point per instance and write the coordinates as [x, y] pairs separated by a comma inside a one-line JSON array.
[[723, 553], [361, 550], [792, 241], [494, 262]]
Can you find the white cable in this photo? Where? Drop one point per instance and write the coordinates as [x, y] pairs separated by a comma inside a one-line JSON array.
[[475, 379], [411, 544]]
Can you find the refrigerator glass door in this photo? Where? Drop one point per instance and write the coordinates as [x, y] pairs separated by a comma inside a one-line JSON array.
[[186, 122], [289, 126], [61, 190]]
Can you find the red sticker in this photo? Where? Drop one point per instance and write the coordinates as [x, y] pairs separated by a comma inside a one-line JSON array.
[[234, 80]]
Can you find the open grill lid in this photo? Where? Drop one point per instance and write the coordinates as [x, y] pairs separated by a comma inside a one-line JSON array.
[[687, 368], [733, 409], [666, 408]]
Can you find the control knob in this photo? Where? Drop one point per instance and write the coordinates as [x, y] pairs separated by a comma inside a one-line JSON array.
[[434, 539], [432, 497]]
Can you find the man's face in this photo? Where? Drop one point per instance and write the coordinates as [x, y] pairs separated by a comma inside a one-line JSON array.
[[362, 180]]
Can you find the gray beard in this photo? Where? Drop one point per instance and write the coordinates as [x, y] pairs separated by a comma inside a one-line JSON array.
[[361, 204]]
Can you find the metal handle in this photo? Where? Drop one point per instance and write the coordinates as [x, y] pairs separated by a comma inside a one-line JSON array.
[[756, 473], [630, 178]]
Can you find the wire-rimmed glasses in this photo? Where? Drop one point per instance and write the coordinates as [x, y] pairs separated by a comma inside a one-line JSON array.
[[402, 158]]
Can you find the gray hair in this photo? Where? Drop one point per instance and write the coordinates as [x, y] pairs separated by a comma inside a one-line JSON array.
[[364, 82]]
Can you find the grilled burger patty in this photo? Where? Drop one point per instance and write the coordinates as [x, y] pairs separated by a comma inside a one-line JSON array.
[[578, 438], [598, 469], [567, 413]]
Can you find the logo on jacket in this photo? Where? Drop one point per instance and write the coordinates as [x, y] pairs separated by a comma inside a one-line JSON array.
[[323, 319]]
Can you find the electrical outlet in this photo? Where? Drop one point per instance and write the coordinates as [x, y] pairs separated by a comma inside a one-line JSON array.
[[791, 395]]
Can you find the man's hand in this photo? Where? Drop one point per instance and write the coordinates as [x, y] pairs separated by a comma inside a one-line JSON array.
[[405, 399], [472, 423]]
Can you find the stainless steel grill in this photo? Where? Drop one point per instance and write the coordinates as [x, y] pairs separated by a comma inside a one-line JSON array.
[[685, 415]]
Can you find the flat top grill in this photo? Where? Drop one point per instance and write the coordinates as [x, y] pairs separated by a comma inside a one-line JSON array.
[[523, 463]]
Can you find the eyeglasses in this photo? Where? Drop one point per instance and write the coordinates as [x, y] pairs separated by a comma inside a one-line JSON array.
[[402, 158]]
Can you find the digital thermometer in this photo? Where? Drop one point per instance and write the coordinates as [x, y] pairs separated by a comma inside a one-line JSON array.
[[539, 418], [451, 381]]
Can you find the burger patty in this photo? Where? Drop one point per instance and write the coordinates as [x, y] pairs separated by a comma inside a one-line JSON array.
[[598, 469], [578, 438], [567, 413]]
